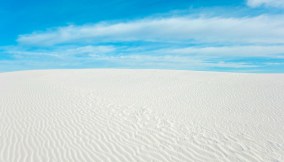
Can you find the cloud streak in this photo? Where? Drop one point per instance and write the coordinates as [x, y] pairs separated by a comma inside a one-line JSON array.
[[198, 58], [222, 43], [240, 51], [267, 3], [262, 29]]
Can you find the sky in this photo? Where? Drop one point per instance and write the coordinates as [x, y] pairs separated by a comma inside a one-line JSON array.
[[232, 36]]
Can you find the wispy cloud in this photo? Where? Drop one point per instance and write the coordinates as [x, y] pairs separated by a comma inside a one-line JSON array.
[[196, 42], [195, 58], [240, 51], [268, 3], [62, 51], [263, 29]]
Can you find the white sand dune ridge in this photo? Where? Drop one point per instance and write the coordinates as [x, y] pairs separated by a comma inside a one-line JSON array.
[[140, 115]]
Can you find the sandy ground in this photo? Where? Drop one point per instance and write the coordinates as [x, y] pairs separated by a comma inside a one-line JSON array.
[[140, 115]]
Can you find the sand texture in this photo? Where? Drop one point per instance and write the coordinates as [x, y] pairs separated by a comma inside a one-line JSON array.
[[141, 115]]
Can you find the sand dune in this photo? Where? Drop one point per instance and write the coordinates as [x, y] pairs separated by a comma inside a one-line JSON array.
[[140, 115]]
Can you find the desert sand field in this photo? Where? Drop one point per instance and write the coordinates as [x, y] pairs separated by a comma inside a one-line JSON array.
[[140, 115]]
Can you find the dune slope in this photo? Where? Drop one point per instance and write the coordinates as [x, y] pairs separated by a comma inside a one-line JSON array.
[[140, 115]]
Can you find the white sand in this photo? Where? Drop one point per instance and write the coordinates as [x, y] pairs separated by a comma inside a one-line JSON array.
[[140, 115]]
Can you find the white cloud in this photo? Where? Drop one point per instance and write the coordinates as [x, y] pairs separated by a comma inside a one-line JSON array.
[[269, 3], [259, 29], [110, 52], [195, 58], [61, 51], [241, 51], [170, 61]]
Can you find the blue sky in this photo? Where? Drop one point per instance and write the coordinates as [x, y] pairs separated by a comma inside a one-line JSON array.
[[220, 35]]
